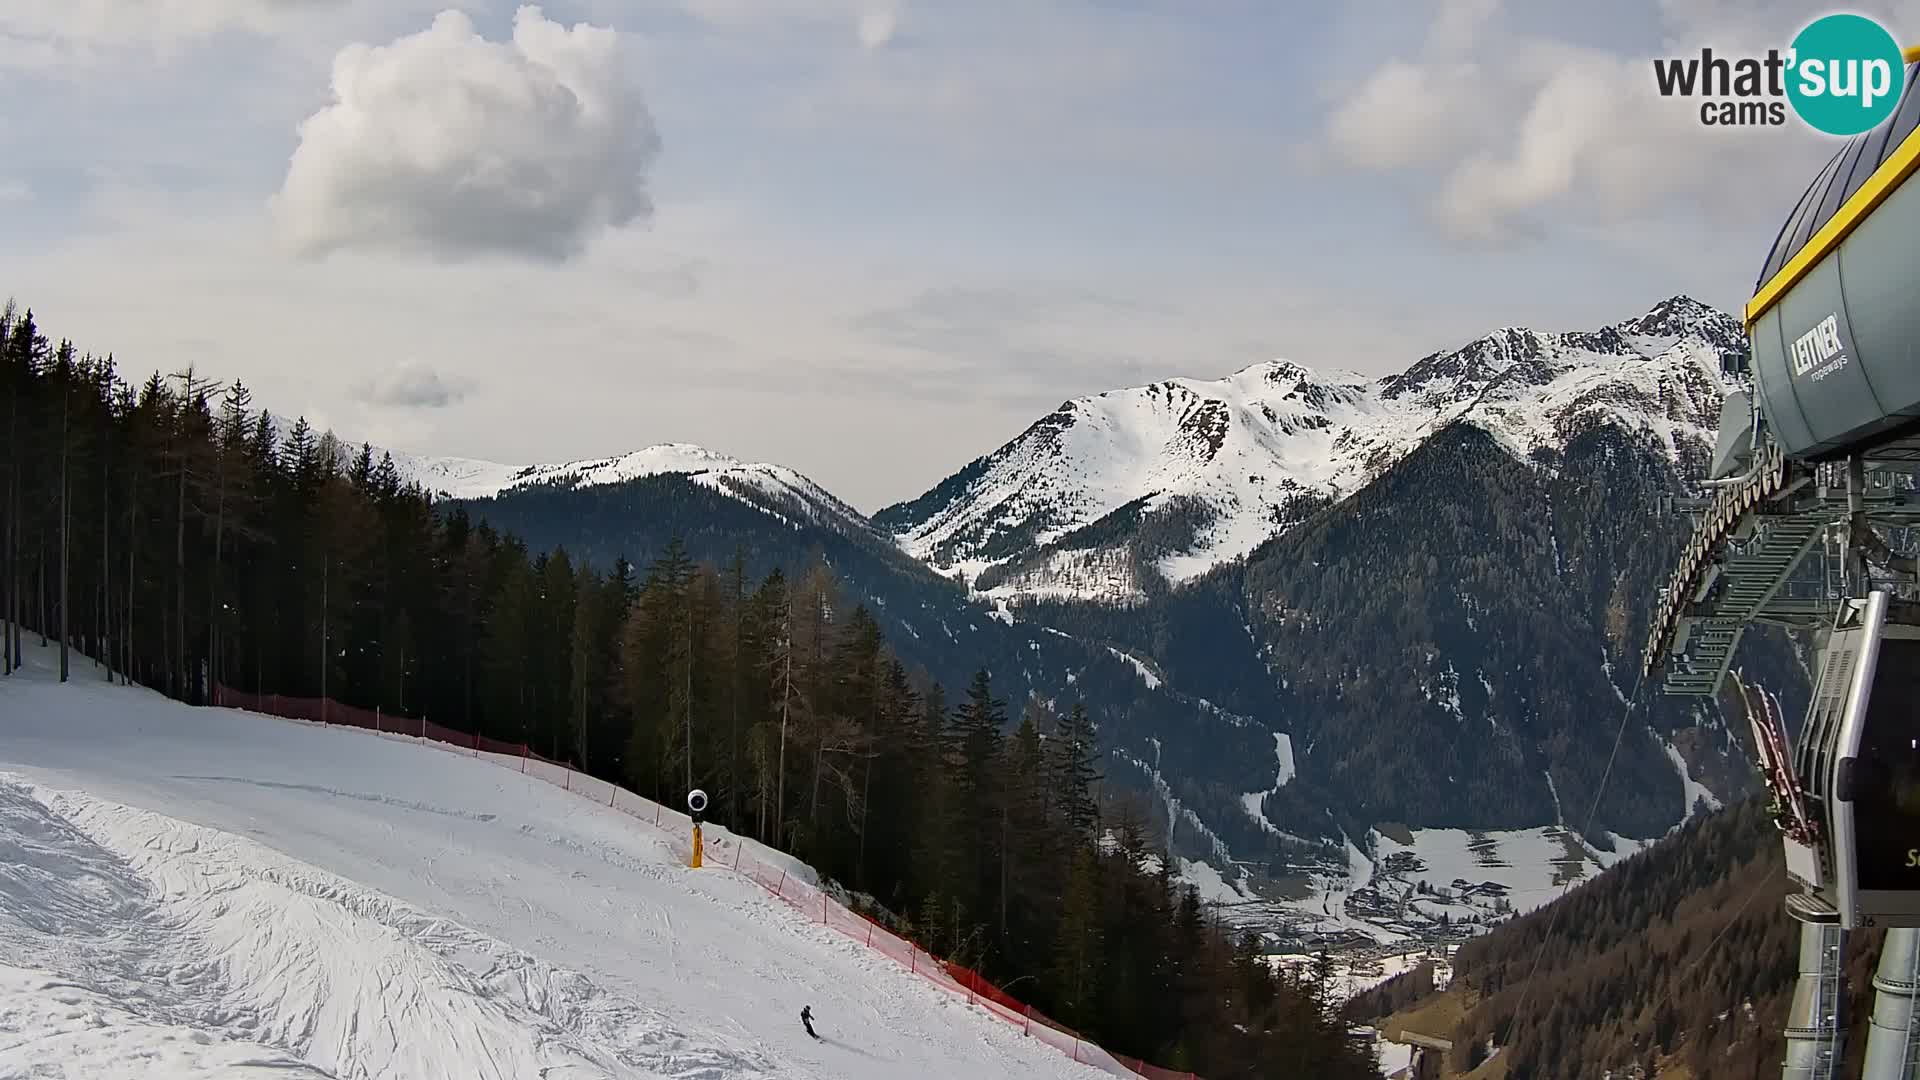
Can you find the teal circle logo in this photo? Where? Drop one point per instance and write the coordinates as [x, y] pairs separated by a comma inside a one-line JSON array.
[[1845, 74]]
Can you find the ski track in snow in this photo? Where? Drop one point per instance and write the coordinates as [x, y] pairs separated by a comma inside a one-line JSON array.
[[197, 931], [194, 892]]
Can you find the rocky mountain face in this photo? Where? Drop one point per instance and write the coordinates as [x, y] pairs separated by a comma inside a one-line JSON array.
[[1112, 498]]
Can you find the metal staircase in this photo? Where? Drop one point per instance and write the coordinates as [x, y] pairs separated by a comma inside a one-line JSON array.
[[1748, 562]]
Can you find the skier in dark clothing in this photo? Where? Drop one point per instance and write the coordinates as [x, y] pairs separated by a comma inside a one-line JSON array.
[[806, 1019]]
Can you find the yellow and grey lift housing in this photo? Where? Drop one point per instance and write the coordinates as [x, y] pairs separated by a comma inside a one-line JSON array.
[[1834, 323], [1812, 522]]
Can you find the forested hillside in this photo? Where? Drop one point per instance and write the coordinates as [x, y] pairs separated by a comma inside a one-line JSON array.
[[1207, 751], [172, 531], [1679, 958]]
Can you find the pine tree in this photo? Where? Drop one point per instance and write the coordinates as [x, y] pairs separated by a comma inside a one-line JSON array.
[[1076, 771]]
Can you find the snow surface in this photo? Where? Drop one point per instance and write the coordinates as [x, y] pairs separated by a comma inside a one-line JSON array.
[[1283, 750], [1394, 1056], [1146, 674], [189, 892], [1353, 976], [1247, 447], [1206, 880], [1523, 860], [1694, 791]]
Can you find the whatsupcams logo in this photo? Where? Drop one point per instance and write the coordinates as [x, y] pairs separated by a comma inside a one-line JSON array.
[[1842, 75]]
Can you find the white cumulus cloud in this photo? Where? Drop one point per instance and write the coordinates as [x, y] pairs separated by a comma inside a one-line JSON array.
[[445, 144]]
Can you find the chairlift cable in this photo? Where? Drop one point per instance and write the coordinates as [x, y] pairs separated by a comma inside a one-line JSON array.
[[1593, 811]]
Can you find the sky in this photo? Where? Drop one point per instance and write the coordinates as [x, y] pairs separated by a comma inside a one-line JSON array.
[[868, 239]]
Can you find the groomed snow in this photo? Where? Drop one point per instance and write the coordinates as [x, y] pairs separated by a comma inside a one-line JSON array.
[[193, 892]]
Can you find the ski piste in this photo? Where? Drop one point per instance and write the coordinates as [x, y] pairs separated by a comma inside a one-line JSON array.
[[480, 873]]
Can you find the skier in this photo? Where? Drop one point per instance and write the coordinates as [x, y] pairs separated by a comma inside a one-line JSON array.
[[806, 1019]]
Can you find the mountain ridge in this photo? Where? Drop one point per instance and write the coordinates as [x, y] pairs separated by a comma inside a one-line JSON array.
[[1205, 471]]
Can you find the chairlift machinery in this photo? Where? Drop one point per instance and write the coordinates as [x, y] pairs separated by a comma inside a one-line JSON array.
[[1815, 499]]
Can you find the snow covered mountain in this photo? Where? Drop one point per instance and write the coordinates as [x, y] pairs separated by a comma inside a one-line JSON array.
[[1169, 480], [774, 489]]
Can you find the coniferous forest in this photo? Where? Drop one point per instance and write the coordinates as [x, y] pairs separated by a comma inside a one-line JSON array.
[[168, 532], [1677, 961]]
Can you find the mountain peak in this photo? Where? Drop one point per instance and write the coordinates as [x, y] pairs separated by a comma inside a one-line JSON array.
[[1677, 315], [1275, 371], [1201, 471]]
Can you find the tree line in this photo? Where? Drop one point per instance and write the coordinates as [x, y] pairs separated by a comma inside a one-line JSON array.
[[169, 534]]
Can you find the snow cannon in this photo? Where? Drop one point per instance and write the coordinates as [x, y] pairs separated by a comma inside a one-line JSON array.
[[696, 806]]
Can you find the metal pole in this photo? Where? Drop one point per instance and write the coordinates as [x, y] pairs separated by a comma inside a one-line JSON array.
[[689, 688], [324, 566], [1893, 1037], [1816, 1024]]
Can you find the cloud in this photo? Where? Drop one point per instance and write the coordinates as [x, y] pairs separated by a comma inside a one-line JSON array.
[[1526, 130], [1407, 114], [876, 27], [447, 145], [677, 281], [42, 34], [1029, 343], [412, 386], [14, 191], [873, 22]]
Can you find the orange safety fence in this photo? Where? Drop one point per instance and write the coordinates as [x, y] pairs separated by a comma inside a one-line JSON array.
[[722, 851]]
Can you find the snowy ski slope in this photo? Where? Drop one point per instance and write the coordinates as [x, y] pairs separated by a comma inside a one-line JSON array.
[[201, 892]]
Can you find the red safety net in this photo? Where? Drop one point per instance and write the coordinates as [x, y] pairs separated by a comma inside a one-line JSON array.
[[720, 851], [433, 732], [497, 746]]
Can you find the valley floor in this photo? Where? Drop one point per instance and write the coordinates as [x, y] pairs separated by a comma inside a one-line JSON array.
[[193, 892]]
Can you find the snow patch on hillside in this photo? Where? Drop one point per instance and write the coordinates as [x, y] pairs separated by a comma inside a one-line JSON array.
[[1695, 792], [1207, 881], [1146, 674], [1283, 751]]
